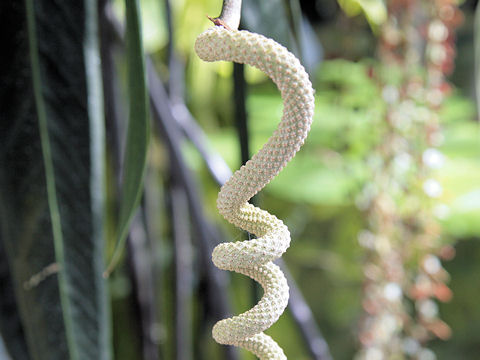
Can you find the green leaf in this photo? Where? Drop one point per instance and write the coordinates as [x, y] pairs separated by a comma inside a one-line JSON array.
[[51, 177], [138, 129]]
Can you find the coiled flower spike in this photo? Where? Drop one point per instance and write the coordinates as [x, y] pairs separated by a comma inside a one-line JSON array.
[[254, 257]]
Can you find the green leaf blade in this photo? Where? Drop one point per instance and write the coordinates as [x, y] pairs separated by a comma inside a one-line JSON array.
[[52, 160], [138, 131]]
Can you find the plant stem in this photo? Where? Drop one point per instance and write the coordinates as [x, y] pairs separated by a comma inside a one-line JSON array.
[[183, 271], [231, 12]]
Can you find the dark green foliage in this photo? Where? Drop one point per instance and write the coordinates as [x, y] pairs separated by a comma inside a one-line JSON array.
[[461, 313], [11, 326], [49, 178]]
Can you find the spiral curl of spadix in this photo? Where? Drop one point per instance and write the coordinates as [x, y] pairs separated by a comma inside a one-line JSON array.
[[254, 257]]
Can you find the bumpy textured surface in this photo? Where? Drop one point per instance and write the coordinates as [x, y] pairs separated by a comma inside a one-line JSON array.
[[254, 257]]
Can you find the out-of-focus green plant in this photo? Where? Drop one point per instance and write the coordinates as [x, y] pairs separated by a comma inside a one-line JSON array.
[[459, 206], [348, 109]]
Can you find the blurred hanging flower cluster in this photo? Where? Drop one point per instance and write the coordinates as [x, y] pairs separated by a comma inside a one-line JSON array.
[[404, 248]]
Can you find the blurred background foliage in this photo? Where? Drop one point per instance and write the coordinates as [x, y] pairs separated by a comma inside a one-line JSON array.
[[317, 195]]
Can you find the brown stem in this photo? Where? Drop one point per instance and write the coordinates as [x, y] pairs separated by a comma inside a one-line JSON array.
[[230, 16]]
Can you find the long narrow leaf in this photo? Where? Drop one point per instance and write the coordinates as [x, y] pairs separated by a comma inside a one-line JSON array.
[[11, 24], [138, 129], [51, 176]]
